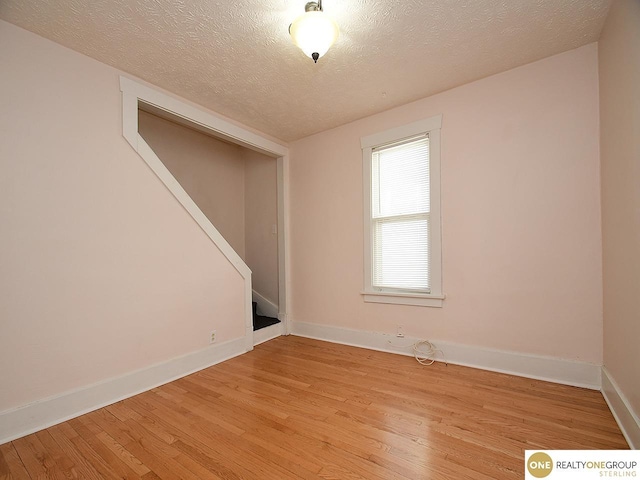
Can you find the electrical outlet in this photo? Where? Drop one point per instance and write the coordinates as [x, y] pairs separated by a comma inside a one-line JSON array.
[[400, 331], [212, 337]]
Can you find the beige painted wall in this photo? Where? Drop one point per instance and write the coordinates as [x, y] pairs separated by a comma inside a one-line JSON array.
[[211, 172], [261, 215], [520, 206], [619, 57], [102, 271]]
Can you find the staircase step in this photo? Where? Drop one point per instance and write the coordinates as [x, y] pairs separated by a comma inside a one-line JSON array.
[[260, 321]]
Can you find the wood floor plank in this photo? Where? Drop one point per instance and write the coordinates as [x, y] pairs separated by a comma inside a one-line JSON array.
[[11, 466], [38, 461], [6, 451], [296, 408], [59, 456], [82, 463], [105, 463], [123, 454]]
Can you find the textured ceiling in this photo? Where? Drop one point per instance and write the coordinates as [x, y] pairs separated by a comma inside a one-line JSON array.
[[236, 57]]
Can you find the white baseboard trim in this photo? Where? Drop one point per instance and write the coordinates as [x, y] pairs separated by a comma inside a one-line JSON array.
[[627, 419], [21, 421], [265, 306], [556, 370], [268, 333]]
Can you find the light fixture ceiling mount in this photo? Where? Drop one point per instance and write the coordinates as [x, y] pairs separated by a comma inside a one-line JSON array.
[[314, 31]]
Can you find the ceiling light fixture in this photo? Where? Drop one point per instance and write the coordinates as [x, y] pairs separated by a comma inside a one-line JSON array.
[[314, 32]]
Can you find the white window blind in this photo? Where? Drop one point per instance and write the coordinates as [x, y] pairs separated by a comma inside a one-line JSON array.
[[400, 210]]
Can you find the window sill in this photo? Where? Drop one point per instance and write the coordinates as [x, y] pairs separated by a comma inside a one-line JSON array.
[[420, 300]]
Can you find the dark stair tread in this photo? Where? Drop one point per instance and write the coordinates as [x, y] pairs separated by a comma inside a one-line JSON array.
[[260, 321]]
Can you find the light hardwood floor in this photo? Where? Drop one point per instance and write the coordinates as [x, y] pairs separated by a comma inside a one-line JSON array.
[[299, 408]]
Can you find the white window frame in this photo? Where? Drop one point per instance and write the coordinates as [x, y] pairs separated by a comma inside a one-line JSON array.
[[429, 126]]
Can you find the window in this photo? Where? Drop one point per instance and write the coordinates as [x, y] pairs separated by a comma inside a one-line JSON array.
[[401, 170]]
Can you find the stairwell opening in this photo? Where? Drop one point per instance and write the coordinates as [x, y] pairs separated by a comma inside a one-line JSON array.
[[138, 98], [235, 188]]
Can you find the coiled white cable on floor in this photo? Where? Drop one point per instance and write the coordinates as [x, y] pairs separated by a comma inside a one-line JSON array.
[[424, 351]]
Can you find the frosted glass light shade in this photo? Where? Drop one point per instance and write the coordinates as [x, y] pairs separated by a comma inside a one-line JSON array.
[[314, 32]]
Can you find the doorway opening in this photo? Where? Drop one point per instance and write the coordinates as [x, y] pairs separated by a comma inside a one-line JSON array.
[[245, 214]]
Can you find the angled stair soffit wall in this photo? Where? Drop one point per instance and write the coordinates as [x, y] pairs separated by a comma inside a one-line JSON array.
[[135, 96]]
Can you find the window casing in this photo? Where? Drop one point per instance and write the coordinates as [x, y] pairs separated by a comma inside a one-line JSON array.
[[401, 177]]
